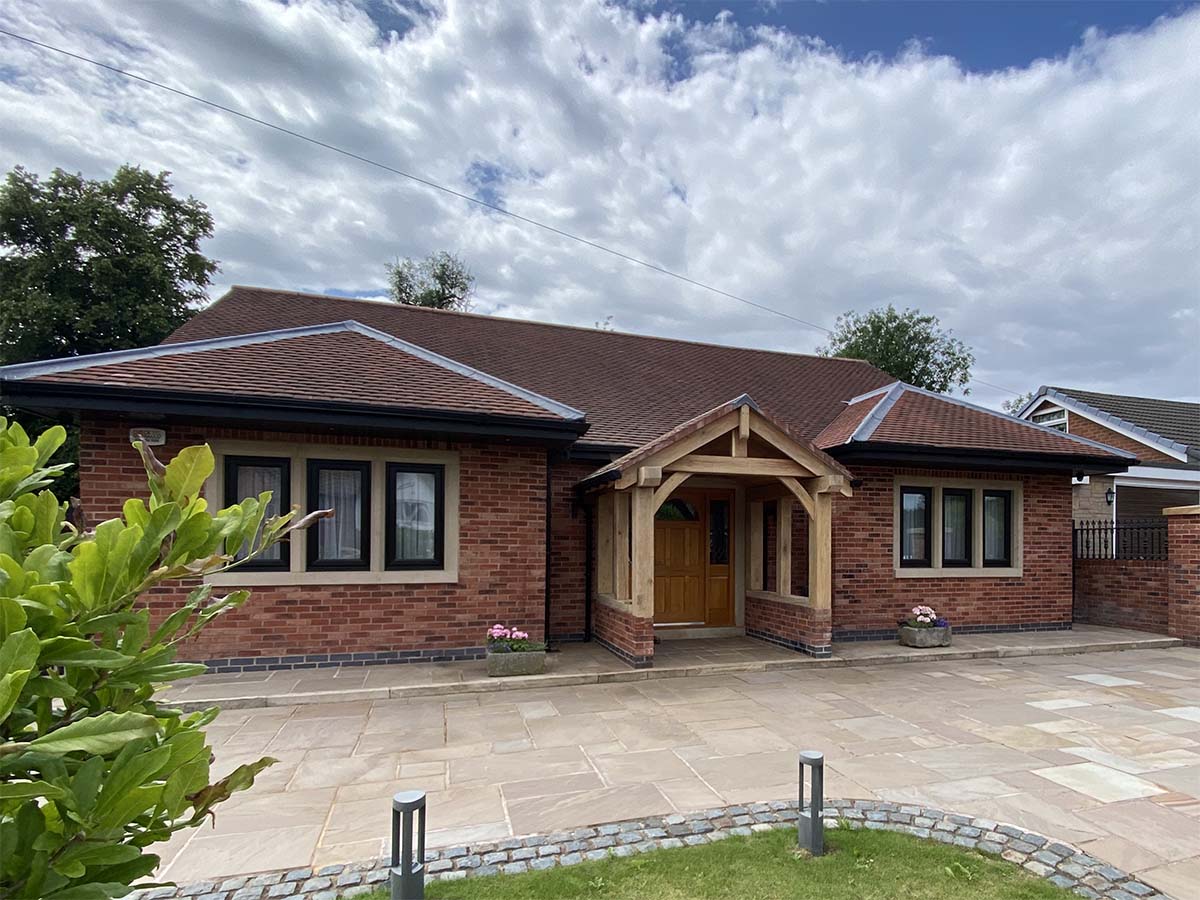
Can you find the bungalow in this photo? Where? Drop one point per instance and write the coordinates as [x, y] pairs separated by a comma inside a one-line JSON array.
[[579, 483]]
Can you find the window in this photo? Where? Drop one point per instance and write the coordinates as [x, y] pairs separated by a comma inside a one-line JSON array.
[[1055, 418], [718, 532], [956, 526], [916, 506], [677, 511], [249, 476], [343, 541], [415, 518], [997, 528]]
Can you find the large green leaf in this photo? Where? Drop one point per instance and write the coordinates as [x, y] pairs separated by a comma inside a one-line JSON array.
[[188, 471], [23, 790], [101, 735], [12, 616]]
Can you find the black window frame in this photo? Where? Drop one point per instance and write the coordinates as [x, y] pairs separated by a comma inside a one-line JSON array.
[[230, 468], [390, 561], [1007, 561], [313, 562], [925, 562], [965, 563]]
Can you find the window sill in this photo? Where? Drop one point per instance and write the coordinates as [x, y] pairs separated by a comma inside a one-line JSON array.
[[251, 579], [960, 572]]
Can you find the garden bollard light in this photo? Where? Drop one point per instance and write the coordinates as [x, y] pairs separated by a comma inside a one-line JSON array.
[[408, 874], [810, 827]]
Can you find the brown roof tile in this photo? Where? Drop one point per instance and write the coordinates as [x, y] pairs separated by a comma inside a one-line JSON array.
[[335, 366], [913, 416], [632, 388]]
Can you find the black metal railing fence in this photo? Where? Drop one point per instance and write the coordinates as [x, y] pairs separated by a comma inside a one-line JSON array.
[[1122, 539]]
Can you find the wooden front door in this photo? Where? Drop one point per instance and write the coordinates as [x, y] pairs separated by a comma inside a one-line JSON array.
[[693, 581]]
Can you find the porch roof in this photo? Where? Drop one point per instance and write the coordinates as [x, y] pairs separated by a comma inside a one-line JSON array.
[[631, 460]]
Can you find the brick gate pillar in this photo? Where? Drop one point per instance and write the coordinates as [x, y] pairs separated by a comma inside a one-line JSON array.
[[1183, 591]]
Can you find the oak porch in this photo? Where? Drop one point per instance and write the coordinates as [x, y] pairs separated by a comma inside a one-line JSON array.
[[736, 445]]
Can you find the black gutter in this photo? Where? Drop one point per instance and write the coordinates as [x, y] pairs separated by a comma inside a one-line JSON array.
[[546, 579], [196, 404], [595, 481], [968, 458]]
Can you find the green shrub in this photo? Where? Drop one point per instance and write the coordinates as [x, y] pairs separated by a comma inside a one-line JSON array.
[[92, 769]]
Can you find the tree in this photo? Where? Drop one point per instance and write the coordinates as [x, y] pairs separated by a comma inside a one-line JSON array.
[[91, 266], [1017, 403], [907, 345], [92, 769], [439, 281]]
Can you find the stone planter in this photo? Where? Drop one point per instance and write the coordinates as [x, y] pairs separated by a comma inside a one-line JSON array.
[[528, 662], [924, 637]]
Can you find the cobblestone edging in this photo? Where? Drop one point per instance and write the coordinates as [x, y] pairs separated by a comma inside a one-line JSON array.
[[1060, 863]]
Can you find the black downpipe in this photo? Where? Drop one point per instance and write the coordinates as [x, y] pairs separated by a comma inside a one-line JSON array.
[[589, 560], [549, 508]]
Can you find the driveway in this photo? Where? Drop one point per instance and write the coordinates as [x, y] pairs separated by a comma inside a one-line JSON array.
[[1101, 750]]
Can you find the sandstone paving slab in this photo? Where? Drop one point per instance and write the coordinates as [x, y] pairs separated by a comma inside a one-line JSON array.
[[1178, 879], [206, 855], [545, 814], [952, 760], [1105, 784], [1158, 829]]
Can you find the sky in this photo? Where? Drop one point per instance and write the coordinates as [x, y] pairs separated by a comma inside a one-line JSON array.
[[1026, 172]]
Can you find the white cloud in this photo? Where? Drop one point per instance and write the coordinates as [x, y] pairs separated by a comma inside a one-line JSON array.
[[1049, 215]]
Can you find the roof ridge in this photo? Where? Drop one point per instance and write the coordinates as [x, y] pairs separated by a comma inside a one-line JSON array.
[[1069, 390], [540, 324], [1140, 430], [878, 413], [1016, 419], [547, 403], [21, 371]]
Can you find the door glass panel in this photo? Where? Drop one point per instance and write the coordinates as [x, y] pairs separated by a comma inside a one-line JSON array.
[[718, 533], [677, 511]]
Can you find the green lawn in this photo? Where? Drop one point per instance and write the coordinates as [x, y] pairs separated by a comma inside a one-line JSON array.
[[859, 865]]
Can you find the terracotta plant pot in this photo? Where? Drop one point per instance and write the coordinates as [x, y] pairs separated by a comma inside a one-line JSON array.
[[526, 662], [924, 637]]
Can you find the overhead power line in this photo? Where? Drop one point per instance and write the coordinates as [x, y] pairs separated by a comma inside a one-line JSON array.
[[429, 183]]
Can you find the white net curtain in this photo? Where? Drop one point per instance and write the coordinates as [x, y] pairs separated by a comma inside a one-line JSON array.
[[416, 515]]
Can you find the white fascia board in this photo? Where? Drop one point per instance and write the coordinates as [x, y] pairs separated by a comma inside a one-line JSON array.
[[1160, 476], [1032, 402], [1171, 448]]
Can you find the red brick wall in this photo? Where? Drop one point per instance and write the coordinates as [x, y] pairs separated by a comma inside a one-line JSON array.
[[568, 552], [501, 556], [1183, 541], [867, 596], [1078, 425], [630, 637], [799, 548], [790, 624], [1123, 593]]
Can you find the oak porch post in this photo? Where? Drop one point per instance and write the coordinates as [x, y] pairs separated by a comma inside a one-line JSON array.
[[642, 580], [820, 553]]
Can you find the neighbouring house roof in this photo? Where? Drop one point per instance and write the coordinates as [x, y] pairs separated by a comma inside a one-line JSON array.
[[342, 364], [632, 388], [902, 416], [1170, 426]]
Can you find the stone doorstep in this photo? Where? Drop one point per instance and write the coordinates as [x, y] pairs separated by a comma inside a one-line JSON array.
[[1061, 863], [528, 682]]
